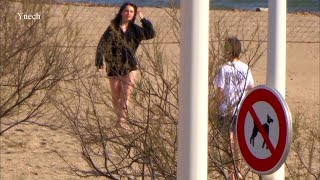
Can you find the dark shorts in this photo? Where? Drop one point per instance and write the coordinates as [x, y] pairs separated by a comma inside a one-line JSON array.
[[122, 72], [227, 123], [120, 68]]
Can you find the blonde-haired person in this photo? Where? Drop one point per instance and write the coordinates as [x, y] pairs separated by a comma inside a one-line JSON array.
[[232, 80], [117, 48]]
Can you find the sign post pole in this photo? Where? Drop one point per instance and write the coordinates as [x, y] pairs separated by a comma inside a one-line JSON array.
[[193, 91], [276, 65]]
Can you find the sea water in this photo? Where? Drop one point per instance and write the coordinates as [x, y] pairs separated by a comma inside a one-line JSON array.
[[293, 5]]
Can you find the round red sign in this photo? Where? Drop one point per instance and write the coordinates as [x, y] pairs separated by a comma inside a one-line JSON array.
[[264, 130]]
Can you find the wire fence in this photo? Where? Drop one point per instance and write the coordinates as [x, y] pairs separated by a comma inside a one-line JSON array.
[[248, 25], [301, 27]]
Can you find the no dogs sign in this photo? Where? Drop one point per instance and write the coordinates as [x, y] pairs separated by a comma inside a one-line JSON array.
[[264, 130]]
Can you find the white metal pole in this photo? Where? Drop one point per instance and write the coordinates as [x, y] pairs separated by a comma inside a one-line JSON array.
[[193, 91], [276, 65]]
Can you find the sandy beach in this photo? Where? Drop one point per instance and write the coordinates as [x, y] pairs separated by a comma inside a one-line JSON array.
[[29, 151]]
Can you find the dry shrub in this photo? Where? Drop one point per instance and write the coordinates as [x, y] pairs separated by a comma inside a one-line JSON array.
[[304, 156], [149, 148], [35, 56]]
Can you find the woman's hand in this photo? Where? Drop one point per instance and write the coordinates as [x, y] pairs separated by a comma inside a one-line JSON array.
[[99, 69], [140, 14]]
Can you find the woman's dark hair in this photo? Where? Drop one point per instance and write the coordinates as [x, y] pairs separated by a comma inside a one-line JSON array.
[[233, 47], [116, 21]]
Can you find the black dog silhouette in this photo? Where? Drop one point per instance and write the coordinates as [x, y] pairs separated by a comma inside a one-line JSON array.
[[255, 131]]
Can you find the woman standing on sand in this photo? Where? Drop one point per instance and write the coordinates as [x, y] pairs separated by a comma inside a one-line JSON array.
[[117, 47]]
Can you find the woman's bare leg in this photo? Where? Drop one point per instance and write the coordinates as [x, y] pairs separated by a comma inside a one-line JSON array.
[[115, 86], [121, 89], [128, 82]]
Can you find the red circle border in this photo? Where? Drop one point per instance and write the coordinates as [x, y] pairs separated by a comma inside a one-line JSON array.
[[262, 165]]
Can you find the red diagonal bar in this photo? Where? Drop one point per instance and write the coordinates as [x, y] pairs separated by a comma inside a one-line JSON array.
[[261, 129]]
